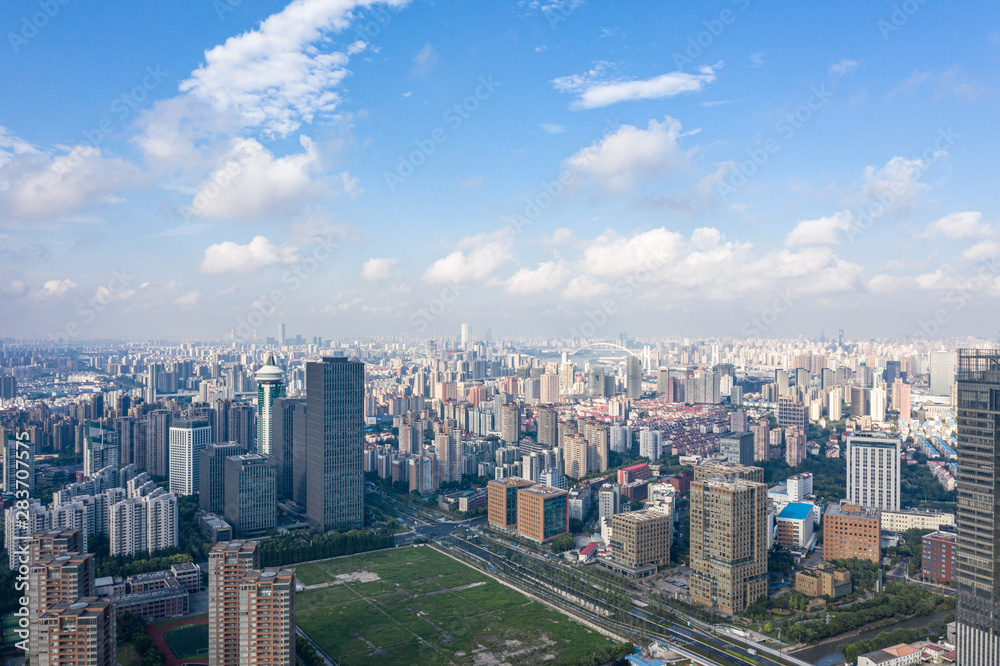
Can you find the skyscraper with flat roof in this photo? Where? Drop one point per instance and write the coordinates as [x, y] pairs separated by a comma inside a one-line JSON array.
[[267, 618], [873, 470], [228, 564], [187, 440], [335, 392], [977, 554]]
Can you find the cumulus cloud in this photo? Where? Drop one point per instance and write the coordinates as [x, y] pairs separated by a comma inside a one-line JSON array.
[[595, 91], [476, 258], [548, 276], [982, 251], [897, 184], [585, 287], [624, 157], [378, 268], [960, 226], [37, 183], [230, 257], [251, 183], [823, 231], [58, 287]]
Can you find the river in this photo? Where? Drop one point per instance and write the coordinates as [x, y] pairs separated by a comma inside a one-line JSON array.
[[829, 654]]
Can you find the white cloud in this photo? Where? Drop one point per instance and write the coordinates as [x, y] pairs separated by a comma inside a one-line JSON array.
[[16, 287], [959, 226], [283, 73], [188, 299], [552, 128], [250, 183], [619, 160], [982, 251], [843, 67], [230, 257], [58, 287], [584, 287], [472, 182], [378, 268], [594, 92], [612, 255], [476, 258], [822, 231], [888, 284], [897, 184], [548, 276], [36, 183], [424, 61], [758, 59]]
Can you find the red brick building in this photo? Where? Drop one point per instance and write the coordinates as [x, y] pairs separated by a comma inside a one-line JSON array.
[[633, 473], [938, 564]]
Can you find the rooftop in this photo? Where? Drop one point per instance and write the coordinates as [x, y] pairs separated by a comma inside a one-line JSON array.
[[544, 491], [796, 511]]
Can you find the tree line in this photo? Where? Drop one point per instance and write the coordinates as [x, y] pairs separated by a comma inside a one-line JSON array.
[[279, 551]]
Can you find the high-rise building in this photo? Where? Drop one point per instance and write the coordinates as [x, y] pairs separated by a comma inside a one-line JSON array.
[[640, 539], [904, 402], [978, 516], [728, 471], [836, 404], [542, 513], [335, 392], [187, 440], [878, 406], [143, 524], [267, 618], [729, 541], [795, 446], [547, 419], [873, 470], [300, 427], [609, 501], [575, 456], [510, 423], [549, 389], [761, 441], [242, 424], [502, 501], [860, 401], [81, 633], [737, 447], [212, 470], [251, 493], [650, 443], [466, 337], [851, 531], [283, 443], [54, 579], [228, 563], [792, 413], [270, 386], [942, 367], [633, 377], [158, 424]]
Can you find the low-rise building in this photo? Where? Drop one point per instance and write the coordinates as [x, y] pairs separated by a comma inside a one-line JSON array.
[[794, 525], [938, 557], [164, 599], [900, 521], [215, 529], [897, 655], [502, 501], [188, 575], [824, 579], [851, 531]]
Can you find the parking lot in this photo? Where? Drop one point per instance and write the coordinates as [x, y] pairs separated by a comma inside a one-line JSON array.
[[674, 582]]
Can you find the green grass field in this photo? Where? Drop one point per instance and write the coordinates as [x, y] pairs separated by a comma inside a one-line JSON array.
[[188, 641], [415, 615]]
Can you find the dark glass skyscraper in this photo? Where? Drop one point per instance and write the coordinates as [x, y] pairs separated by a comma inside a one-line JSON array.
[[335, 391], [977, 555]]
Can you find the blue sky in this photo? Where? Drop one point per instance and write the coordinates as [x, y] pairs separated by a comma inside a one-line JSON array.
[[542, 167]]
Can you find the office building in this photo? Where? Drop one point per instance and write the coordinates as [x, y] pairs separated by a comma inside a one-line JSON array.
[[502, 501], [859, 402], [978, 515], [794, 526], [250, 493], [717, 470], [792, 413], [542, 513], [873, 470], [212, 468], [920, 519], [824, 579], [242, 425], [633, 377], [729, 541], [81, 633], [335, 392], [270, 386], [737, 447], [267, 618], [942, 367], [283, 443], [187, 440], [640, 540], [850, 530], [228, 564], [938, 557], [609, 501]]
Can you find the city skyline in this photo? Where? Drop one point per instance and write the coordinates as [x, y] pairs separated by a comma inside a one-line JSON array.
[[376, 171]]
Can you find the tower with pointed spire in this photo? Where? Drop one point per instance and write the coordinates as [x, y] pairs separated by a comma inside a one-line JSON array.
[[270, 385]]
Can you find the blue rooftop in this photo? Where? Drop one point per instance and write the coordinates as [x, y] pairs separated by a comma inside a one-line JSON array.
[[796, 511]]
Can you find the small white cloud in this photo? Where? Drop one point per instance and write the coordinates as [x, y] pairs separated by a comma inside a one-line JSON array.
[[888, 284], [229, 257], [595, 92], [424, 61], [982, 251], [896, 185], [959, 226], [550, 128], [758, 59], [548, 276], [16, 287], [476, 258], [58, 287], [472, 182], [188, 299], [843, 67], [378, 268], [823, 231]]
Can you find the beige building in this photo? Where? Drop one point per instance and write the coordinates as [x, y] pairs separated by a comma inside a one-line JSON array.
[[851, 531], [575, 456], [82, 633], [228, 564], [900, 521], [722, 470], [728, 543], [267, 618], [641, 539], [53, 580], [824, 579]]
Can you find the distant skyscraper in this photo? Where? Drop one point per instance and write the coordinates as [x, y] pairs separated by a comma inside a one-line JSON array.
[[546, 420], [251, 493], [212, 469], [795, 446], [633, 377], [187, 440], [466, 338], [878, 400], [835, 409], [942, 372], [269, 387], [737, 447], [335, 392], [904, 402], [510, 423], [242, 427], [283, 442], [281, 334], [978, 515], [873, 470]]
